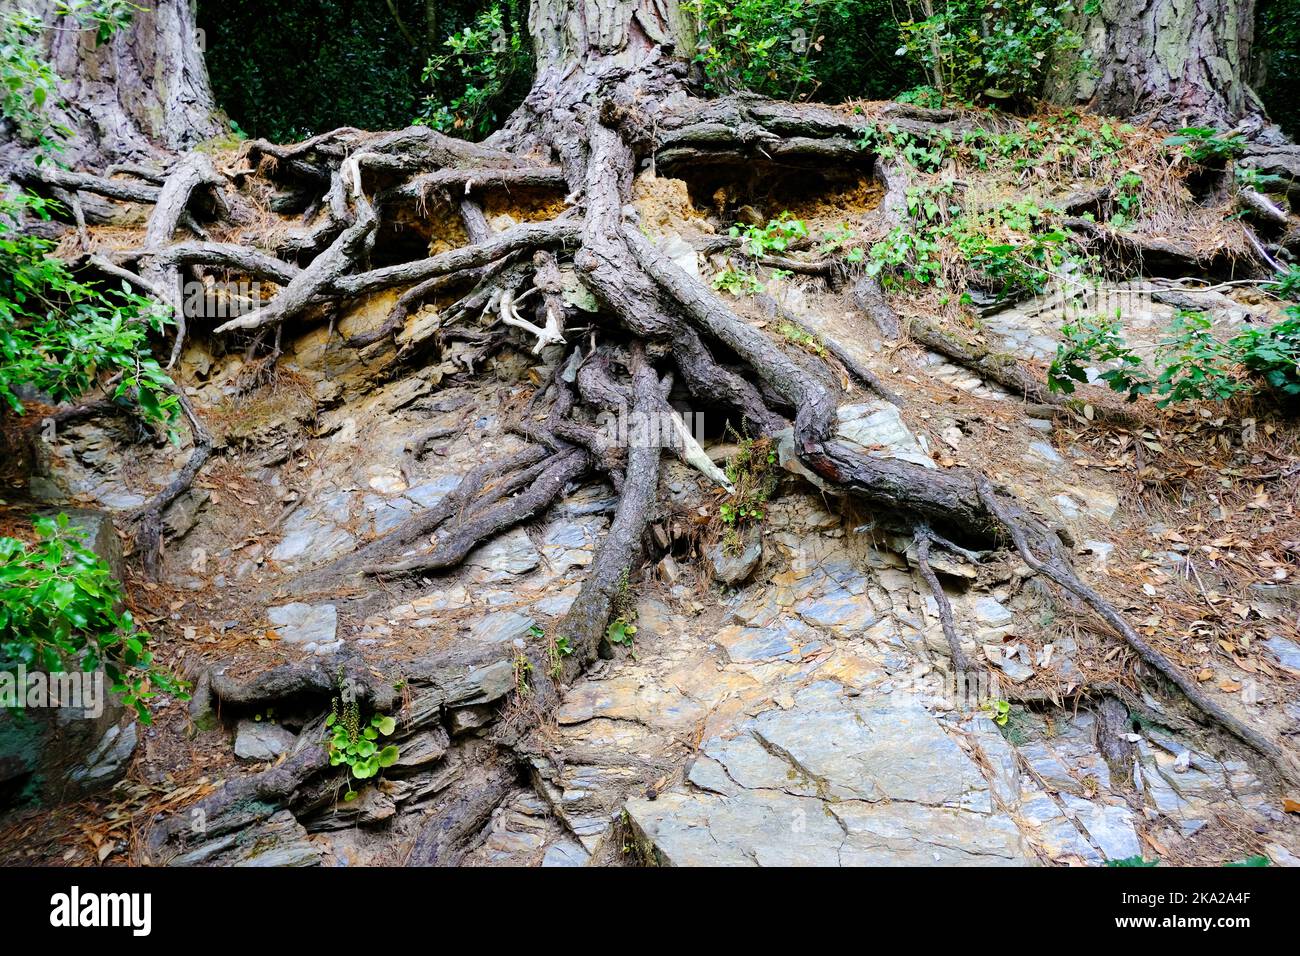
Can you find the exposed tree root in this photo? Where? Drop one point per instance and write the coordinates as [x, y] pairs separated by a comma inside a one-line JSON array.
[[1001, 369], [1006, 371], [1126, 253], [1056, 569], [858, 371], [148, 517], [870, 298], [191, 173], [462, 538], [312, 678], [462, 813], [924, 539], [655, 320], [237, 805], [1099, 691]]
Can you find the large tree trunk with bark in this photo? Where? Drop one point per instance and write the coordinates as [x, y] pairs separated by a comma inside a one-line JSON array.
[[144, 90], [1169, 62]]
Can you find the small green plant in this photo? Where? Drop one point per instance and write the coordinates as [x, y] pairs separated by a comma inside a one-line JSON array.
[[61, 609], [356, 742], [999, 711], [1132, 861], [906, 256], [802, 338], [623, 613], [556, 651], [753, 476], [620, 631], [1128, 200], [1009, 250], [1206, 146], [523, 669], [738, 283], [777, 236], [1248, 177], [842, 241], [925, 96]]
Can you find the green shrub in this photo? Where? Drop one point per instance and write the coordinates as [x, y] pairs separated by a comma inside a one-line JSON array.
[[557, 650], [906, 256], [483, 75], [1008, 250], [28, 84], [1191, 363], [1286, 285], [60, 336], [926, 96], [59, 605], [1194, 365], [979, 51], [801, 338], [60, 608], [1011, 248], [766, 46], [1096, 341], [1128, 200], [1273, 354], [776, 236], [1207, 146]]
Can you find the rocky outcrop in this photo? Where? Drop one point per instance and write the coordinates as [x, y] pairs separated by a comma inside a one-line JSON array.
[[832, 780]]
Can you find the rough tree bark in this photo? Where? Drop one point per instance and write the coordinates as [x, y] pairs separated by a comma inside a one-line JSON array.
[[143, 91], [1170, 62]]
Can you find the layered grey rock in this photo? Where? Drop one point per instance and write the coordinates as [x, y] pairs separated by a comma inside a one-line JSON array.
[[832, 780]]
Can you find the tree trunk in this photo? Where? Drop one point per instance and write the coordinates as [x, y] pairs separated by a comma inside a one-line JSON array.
[[146, 88], [1168, 62]]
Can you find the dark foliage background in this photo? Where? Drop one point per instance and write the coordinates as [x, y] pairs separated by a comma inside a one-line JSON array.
[[285, 69], [1277, 35]]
